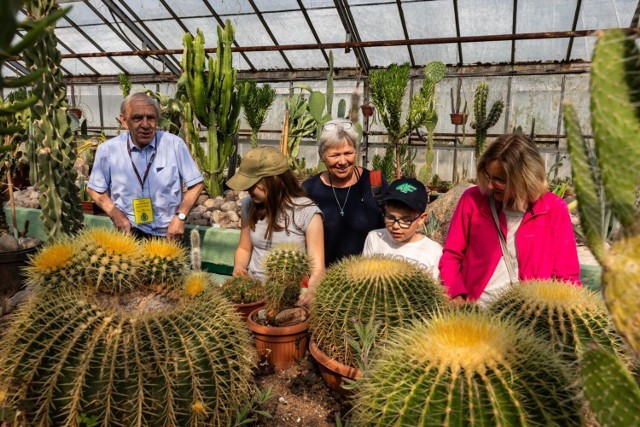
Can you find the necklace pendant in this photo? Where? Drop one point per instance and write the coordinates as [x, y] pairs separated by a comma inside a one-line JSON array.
[[341, 213]]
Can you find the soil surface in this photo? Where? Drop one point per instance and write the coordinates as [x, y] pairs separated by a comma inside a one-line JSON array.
[[299, 397]]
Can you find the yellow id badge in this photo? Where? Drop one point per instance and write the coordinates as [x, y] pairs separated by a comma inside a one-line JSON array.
[[143, 210]]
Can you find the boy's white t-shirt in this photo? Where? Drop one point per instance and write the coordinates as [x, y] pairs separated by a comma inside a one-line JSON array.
[[425, 252]]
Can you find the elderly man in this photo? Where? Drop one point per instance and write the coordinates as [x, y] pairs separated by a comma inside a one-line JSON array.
[[138, 177]]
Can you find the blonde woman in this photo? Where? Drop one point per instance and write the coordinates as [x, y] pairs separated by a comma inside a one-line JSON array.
[[537, 235]]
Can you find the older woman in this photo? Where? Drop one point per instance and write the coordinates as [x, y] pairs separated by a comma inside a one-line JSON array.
[[343, 193], [535, 239]]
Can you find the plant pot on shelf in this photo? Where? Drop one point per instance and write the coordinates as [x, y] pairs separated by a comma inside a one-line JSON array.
[[281, 347], [333, 372], [367, 110], [11, 264], [75, 111], [246, 308], [458, 118]]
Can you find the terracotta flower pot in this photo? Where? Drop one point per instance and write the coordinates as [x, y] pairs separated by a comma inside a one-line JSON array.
[[280, 346], [367, 110], [75, 111], [87, 206], [246, 309], [332, 371], [458, 118]]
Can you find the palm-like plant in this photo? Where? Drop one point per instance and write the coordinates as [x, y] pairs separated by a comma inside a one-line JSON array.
[[256, 104]]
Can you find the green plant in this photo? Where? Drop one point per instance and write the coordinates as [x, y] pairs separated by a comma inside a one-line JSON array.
[[609, 178], [195, 253], [164, 263], [567, 316], [388, 88], [484, 121], [143, 355], [383, 289], [171, 112], [465, 367], [256, 104], [243, 290], [299, 124], [286, 266], [251, 412], [457, 100], [51, 133], [125, 84], [215, 100]]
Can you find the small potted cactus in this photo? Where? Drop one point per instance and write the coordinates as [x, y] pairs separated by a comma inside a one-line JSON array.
[[280, 329], [458, 117], [246, 293]]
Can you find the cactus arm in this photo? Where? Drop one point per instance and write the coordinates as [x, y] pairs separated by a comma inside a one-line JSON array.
[[585, 180], [611, 391], [615, 106], [330, 85]]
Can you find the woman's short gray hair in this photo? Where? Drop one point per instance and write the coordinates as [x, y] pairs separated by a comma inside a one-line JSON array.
[[142, 96], [336, 132]]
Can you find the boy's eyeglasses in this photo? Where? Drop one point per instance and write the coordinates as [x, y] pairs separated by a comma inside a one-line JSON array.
[[499, 183], [331, 126], [402, 222]]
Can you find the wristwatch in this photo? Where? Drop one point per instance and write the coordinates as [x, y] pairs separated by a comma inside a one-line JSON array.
[[181, 216]]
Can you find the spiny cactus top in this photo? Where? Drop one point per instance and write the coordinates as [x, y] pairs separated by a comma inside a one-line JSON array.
[[568, 316], [286, 265], [465, 368], [390, 290]]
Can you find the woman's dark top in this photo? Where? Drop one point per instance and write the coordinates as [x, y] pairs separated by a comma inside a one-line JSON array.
[[345, 235]]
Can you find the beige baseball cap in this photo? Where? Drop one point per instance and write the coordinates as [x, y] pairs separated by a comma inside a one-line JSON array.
[[255, 165]]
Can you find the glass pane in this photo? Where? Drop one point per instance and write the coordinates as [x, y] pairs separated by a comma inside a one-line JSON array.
[[379, 22], [134, 65], [535, 97], [169, 32], [306, 59], [576, 93], [103, 65], [189, 8], [266, 60], [475, 16], [274, 5], [541, 50], [74, 40], [104, 37], [386, 55], [148, 10], [328, 25], [234, 7], [431, 20], [75, 67], [484, 52], [80, 14], [289, 28]]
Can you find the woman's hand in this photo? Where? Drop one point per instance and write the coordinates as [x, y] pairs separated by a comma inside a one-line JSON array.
[[458, 301]]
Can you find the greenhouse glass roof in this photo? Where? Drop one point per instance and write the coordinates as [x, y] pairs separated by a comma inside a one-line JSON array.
[[144, 37]]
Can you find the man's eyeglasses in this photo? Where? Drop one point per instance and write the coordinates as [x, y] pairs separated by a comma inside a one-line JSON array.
[[499, 183], [402, 222], [331, 126]]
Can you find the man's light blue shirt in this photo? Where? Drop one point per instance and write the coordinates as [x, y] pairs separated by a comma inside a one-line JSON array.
[[171, 168]]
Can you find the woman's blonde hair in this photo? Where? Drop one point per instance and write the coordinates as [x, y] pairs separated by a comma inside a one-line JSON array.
[[526, 179]]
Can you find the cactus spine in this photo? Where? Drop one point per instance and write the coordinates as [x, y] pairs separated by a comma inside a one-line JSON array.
[[567, 316], [286, 266], [465, 368], [59, 199], [483, 121], [215, 100], [384, 289], [256, 103]]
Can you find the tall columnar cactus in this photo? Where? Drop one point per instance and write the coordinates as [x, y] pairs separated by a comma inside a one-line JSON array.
[[569, 317], [615, 100], [484, 121], [215, 100], [126, 356], [195, 254], [466, 368], [388, 88], [433, 72], [391, 291], [256, 103], [286, 266], [53, 139], [611, 178]]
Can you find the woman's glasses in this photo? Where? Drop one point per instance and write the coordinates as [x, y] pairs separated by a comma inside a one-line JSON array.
[[344, 125], [402, 222], [499, 183]]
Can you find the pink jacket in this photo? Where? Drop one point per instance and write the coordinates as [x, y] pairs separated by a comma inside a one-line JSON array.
[[545, 244]]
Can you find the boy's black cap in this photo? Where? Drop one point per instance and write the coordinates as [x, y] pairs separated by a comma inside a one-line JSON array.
[[409, 191]]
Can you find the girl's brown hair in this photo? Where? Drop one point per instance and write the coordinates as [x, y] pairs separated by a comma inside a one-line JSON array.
[[280, 192], [526, 179]]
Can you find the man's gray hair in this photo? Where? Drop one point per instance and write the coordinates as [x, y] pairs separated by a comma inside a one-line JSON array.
[[143, 97], [336, 132]]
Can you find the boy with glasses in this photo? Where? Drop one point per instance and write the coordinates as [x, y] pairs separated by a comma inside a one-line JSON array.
[[404, 214]]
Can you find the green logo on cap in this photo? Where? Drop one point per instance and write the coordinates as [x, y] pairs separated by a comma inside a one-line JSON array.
[[406, 188]]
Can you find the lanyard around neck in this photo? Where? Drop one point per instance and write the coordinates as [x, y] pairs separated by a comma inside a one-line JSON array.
[[146, 171]]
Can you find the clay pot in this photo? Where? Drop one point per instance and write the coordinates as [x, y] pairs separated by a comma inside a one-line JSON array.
[[367, 110], [75, 111], [281, 347], [246, 309], [458, 118], [332, 371]]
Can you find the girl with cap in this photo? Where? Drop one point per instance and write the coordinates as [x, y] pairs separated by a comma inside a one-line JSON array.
[[343, 192], [405, 203], [277, 211], [508, 228]]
